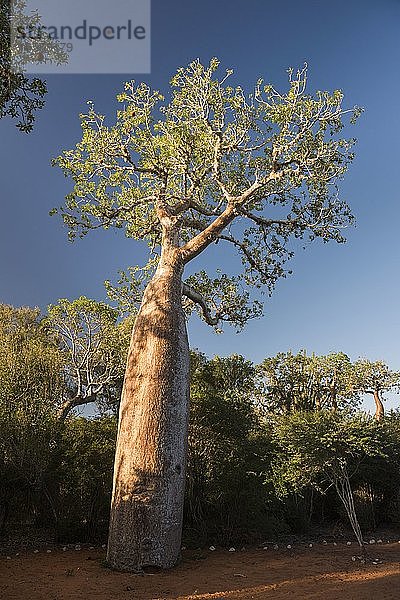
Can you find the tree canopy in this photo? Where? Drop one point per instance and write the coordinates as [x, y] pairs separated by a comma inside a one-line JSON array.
[[299, 382], [94, 348], [307, 382], [376, 377], [214, 164]]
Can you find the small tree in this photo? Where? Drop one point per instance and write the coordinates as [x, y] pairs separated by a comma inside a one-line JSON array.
[[324, 449], [212, 165], [94, 347], [375, 377]]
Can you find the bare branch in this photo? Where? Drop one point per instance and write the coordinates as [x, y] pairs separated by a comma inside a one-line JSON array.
[[197, 298], [242, 247], [263, 222]]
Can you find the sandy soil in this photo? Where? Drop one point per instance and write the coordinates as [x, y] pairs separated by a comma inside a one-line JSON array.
[[322, 572]]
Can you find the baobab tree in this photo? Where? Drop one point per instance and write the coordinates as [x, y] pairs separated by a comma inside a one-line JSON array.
[[375, 378], [209, 166]]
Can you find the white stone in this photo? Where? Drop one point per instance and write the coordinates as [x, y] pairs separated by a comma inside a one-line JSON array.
[[232, 549], [348, 543], [212, 548], [372, 541], [310, 545], [276, 547], [289, 547]]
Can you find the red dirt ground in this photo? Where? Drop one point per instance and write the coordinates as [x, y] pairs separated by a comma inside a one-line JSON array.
[[322, 572]]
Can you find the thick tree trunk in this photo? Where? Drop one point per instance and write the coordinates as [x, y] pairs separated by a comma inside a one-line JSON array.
[[149, 472], [379, 408]]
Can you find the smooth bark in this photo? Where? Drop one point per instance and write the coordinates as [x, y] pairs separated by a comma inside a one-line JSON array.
[[149, 475], [379, 408]]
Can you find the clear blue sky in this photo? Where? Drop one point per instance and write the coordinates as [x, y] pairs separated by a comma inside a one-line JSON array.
[[341, 297]]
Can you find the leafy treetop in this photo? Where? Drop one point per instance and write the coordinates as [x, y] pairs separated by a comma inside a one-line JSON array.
[[214, 164], [21, 95]]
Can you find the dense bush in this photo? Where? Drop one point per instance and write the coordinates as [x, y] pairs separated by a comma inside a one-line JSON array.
[[228, 454], [84, 478], [30, 385], [252, 473]]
